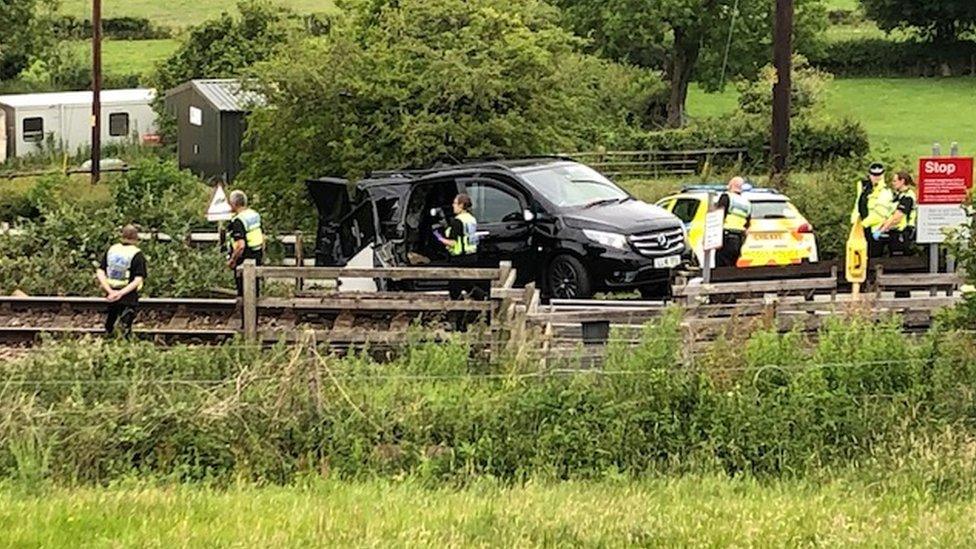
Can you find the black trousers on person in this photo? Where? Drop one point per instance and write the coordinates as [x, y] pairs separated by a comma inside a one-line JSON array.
[[876, 248], [239, 278], [475, 290], [121, 315], [731, 249]]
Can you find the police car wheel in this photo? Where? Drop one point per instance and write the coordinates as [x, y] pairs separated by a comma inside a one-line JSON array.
[[567, 278]]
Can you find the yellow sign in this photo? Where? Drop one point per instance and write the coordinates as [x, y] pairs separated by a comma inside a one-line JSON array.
[[857, 255]]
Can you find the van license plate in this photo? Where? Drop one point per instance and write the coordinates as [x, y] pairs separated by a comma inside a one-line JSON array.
[[667, 262]]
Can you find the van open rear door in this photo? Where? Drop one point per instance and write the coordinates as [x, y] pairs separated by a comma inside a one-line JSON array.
[[346, 225]]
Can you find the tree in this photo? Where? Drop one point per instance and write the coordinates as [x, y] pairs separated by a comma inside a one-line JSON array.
[[940, 21], [26, 33], [808, 93], [225, 47], [708, 40], [411, 82]]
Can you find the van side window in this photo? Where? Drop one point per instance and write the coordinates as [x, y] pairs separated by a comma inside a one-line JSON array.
[[33, 129], [118, 124], [686, 209], [491, 204]]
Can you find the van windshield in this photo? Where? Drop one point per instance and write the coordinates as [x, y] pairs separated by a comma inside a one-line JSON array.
[[574, 186]]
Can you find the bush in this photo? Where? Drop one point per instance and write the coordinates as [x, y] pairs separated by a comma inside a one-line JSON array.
[[69, 27], [158, 195], [878, 57], [59, 249], [783, 405]]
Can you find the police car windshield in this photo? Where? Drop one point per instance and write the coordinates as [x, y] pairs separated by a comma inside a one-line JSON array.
[[772, 210], [573, 185]]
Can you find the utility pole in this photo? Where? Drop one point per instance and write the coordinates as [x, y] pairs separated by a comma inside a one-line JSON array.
[[96, 138], [783, 60]]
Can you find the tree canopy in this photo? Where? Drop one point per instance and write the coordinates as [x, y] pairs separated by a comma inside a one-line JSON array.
[[25, 34], [704, 40], [225, 47], [412, 82], [936, 20]]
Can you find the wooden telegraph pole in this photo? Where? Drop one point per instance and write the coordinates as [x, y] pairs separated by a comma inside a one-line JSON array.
[[783, 60], [96, 137]]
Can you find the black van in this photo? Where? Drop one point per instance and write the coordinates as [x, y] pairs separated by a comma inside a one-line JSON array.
[[561, 224]]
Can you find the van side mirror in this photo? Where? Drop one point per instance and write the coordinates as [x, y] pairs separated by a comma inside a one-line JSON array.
[[527, 215]]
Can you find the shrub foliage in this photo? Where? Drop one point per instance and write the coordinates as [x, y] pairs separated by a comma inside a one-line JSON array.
[[776, 405]]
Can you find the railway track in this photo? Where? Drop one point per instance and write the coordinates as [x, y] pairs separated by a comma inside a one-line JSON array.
[[394, 319], [346, 321]]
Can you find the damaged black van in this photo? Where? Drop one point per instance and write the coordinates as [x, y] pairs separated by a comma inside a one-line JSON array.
[[562, 224]]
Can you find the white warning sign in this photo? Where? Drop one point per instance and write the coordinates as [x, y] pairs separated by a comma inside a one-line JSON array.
[[219, 208]]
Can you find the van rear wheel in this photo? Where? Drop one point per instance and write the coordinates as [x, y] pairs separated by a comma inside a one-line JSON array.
[[567, 278]]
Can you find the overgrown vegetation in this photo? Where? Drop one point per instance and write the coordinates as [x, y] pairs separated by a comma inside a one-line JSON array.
[[859, 395], [410, 83], [58, 249]]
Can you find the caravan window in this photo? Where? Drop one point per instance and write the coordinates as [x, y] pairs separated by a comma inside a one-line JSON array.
[[33, 129], [118, 124]]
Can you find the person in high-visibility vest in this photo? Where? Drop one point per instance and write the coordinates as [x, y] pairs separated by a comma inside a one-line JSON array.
[[738, 217], [246, 236], [873, 206], [899, 228], [461, 240], [121, 275]]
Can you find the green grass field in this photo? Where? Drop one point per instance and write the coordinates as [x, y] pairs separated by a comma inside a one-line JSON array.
[[131, 57], [906, 114], [179, 13], [678, 512]]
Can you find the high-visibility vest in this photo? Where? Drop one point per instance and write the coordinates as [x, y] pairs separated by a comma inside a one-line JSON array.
[[738, 214], [253, 236], [118, 264], [908, 220], [880, 206], [466, 243]]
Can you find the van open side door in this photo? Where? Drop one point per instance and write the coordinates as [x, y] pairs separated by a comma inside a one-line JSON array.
[[347, 224]]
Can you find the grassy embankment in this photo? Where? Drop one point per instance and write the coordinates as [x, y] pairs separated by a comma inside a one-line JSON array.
[[180, 13], [710, 511], [907, 114]]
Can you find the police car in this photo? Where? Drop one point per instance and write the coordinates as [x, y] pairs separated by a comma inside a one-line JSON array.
[[778, 234]]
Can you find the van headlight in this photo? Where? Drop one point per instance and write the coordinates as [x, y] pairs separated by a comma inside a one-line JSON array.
[[610, 240]]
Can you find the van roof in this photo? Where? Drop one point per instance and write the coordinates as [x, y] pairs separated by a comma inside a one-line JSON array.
[[30, 100]]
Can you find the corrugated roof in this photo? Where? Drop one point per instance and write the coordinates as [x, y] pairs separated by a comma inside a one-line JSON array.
[[225, 94], [27, 100]]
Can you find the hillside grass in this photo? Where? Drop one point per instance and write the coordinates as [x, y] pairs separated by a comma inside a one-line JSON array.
[[180, 13], [122, 57], [686, 511], [906, 114]]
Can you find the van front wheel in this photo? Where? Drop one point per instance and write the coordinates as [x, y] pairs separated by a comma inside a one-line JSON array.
[[567, 278]]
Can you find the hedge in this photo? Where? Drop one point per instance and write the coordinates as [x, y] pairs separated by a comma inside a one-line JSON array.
[[119, 28], [878, 57], [813, 143]]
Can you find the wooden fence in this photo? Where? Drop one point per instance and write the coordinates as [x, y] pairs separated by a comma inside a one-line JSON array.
[[634, 164]]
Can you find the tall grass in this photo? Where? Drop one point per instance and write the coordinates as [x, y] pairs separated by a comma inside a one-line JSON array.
[[691, 511], [765, 404]]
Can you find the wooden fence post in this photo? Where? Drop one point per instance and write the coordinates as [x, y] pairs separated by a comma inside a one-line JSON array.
[[250, 304], [299, 260]]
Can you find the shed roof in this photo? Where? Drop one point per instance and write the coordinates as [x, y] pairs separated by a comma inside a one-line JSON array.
[[114, 97], [225, 94]]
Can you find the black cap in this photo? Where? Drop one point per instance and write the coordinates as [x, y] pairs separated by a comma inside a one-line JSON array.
[[876, 169]]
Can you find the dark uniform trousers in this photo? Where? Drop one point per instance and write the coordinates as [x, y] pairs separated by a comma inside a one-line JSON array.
[[476, 290], [732, 242], [122, 314], [239, 278]]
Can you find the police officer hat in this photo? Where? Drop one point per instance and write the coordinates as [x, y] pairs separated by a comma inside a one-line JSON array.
[[876, 169]]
